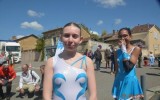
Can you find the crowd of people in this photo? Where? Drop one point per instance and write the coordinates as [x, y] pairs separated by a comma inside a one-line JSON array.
[[28, 81], [70, 74]]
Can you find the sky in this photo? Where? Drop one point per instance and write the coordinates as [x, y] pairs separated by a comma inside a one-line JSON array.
[[25, 17]]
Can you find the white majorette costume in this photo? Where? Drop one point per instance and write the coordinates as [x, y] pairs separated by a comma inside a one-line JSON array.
[[69, 82]]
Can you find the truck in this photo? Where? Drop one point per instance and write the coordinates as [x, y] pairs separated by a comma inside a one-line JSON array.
[[10, 46]]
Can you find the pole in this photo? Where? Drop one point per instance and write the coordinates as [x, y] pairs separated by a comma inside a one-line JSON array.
[[143, 84]]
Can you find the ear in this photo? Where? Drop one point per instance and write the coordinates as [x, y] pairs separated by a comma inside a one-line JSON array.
[[81, 39]]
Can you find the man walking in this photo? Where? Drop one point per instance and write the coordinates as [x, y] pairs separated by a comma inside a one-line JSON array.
[[98, 57]]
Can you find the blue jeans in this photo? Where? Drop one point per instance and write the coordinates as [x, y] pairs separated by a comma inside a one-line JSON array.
[[98, 64], [112, 66]]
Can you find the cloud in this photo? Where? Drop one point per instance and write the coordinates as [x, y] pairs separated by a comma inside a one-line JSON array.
[[94, 32], [33, 25], [117, 21], [99, 22], [19, 36], [111, 3], [32, 13]]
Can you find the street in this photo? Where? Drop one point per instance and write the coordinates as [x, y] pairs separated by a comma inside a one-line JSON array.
[[103, 78]]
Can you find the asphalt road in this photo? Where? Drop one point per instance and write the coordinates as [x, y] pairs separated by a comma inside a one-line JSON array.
[[103, 78]]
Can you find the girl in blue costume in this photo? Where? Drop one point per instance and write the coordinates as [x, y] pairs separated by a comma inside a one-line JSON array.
[[69, 74], [126, 85]]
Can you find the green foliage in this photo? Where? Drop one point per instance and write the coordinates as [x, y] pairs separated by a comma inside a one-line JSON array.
[[94, 37], [104, 33], [40, 47]]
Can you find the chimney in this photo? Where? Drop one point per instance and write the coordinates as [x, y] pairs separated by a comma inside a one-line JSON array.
[[114, 32], [14, 38]]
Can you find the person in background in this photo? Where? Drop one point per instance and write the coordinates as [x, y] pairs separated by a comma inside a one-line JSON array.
[[151, 59], [140, 57], [126, 85], [112, 51], [11, 59], [90, 54], [145, 59], [28, 81], [107, 56], [42, 67], [69, 74], [98, 57], [3, 58], [86, 52], [7, 75]]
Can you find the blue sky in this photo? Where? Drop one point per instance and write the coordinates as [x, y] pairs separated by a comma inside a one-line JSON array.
[[25, 17]]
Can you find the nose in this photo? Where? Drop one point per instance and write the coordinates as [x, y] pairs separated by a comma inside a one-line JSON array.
[[70, 38]]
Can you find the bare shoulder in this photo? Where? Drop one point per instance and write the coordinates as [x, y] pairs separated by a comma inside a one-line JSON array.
[[89, 62], [137, 49], [49, 62]]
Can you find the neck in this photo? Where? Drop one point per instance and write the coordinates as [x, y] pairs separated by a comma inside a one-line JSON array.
[[69, 54], [128, 46]]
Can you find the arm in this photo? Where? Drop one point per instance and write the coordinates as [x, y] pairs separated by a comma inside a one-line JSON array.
[[47, 83], [13, 74], [21, 82], [91, 80], [36, 76], [129, 63]]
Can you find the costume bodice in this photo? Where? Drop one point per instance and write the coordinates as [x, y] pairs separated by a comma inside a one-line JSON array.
[[121, 69], [69, 82]]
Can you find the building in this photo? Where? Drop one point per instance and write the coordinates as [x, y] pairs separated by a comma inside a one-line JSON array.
[[28, 46]]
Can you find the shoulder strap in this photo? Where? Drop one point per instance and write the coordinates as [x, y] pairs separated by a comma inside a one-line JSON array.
[[32, 75], [77, 60], [83, 61], [132, 49]]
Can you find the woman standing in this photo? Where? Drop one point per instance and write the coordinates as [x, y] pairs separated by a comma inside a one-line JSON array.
[[69, 74], [126, 85]]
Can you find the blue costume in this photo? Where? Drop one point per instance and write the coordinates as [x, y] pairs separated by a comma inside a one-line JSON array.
[[126, 85], [69, 82]]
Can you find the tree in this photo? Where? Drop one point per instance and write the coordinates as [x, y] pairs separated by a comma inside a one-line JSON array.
[[40, 47], [104, 33], [94, 37]]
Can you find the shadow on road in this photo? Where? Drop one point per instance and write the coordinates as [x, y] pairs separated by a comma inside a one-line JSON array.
[[105, 72], [153, 74], [155, 68]]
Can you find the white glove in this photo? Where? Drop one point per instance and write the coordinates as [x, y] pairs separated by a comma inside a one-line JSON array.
[[123, 48]]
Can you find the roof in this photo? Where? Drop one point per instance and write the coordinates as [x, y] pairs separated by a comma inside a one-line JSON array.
[[50, 31], [26, 37], [142, 28], [141, 36]]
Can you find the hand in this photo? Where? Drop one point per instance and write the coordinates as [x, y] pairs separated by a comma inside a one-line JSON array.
[[21, 91], [37, 87], [10, 80], [123, 45], [1, 82]]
